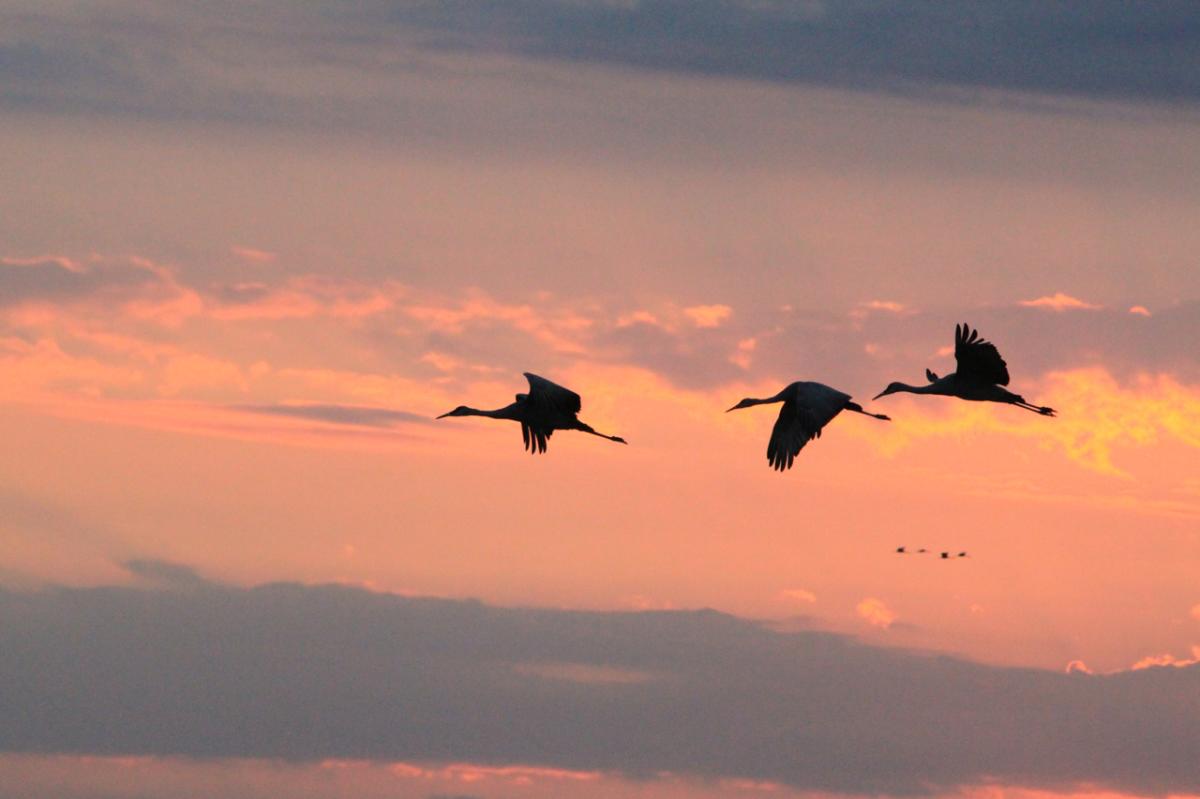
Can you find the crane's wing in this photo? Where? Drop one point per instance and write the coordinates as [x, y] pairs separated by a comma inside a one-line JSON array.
[[547, 405], [978, 360], [548, 394], [795, 427]]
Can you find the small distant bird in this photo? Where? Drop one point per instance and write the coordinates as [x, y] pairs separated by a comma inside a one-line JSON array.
[[546, 408], [980, 375], [962, 554], [807, 407], [901, 550], [945, 555]]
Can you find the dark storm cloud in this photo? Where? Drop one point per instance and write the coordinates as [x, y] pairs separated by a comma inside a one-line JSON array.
[[359, 415], [313, 672]]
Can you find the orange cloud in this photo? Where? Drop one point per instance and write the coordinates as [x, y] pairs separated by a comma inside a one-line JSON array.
[[1097, 415], [32, 368], [875, 612], [1060, 302], [708, 315], [1152, 661], [1196, 612], [1140, 310]]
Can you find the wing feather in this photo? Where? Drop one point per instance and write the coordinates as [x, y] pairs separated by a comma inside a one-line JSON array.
[[546, 392], [978, 359], [794, 428]]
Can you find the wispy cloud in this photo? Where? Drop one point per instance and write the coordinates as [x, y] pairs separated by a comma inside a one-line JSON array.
[[360, 415], [1059, 302], [798, 595]]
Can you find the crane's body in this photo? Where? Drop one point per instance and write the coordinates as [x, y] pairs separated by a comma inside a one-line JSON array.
[[807, 408], [546, 408], [980, 377]]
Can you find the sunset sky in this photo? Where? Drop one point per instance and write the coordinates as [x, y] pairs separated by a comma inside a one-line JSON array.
[[249, 251]]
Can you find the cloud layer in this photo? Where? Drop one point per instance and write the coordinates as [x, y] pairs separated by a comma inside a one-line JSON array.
[[315, 672], [121, 58]]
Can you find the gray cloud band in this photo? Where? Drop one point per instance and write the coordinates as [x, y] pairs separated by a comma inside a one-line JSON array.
[[310, 672]]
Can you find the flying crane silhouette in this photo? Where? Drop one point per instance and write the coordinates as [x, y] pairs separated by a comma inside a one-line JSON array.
[[546, 408], [807, 407], [980, 376]]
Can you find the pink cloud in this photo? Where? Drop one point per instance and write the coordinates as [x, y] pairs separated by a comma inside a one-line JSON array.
[[559, 329], [1059, 302], [1140, 310], [798, 595]]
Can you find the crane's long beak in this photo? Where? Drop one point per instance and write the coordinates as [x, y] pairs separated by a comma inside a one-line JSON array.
[[444, 415], [880, 394]]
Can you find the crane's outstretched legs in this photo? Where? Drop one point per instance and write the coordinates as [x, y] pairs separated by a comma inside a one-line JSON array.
[[1044, 411], [584, 427]]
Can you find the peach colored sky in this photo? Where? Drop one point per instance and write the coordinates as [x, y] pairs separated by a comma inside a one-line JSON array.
[[233, 297]]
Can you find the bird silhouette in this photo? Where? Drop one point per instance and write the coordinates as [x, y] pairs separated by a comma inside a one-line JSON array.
[[980, 375], [901, 550], [807, 407], [546, 408]]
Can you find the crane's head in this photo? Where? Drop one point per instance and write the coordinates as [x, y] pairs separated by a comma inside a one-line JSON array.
[[461, 410], [746, 403], [891, 389]]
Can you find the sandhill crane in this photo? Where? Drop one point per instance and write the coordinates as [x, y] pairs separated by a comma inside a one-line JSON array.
[[546, 408], [901, 550], [807, 407], [981, 373]]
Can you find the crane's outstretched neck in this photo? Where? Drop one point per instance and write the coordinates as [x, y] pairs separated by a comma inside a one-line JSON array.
[[751, 401], [894, 388], [507, 412]]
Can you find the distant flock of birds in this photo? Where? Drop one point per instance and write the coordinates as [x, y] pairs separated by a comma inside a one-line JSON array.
[[807, 407]]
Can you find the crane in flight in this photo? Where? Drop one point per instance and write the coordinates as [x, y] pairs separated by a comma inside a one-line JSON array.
[[807, 407], [981, 375], [546, 408]]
